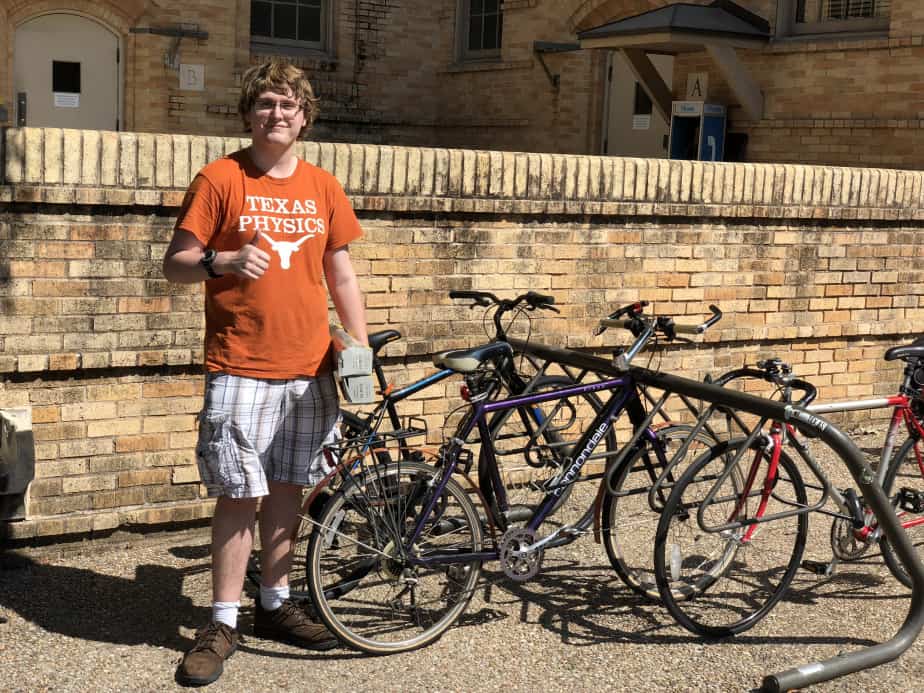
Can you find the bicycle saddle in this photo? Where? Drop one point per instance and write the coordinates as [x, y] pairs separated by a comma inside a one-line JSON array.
[[468, 360], [911, 351], [379, 339]]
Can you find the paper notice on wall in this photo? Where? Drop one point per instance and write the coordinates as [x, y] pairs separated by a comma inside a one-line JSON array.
[[65, 100], [641, 122]]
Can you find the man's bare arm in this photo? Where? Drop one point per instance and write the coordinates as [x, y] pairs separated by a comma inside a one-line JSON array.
[[182, 260], [344, 291]]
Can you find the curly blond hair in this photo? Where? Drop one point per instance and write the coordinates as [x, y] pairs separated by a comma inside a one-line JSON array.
[[280, 76]]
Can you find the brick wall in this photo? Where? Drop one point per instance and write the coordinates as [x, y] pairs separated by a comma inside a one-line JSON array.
[[819, 265]]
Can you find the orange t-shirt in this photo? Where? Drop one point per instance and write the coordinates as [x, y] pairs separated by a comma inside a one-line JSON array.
[[275, 326]]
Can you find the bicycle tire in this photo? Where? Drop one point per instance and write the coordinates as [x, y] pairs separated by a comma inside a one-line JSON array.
[[723, 583], [526, 464], [628, 520], [364, 589], [914, 481]]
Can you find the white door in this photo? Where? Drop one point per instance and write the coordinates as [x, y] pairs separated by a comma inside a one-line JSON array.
[[66, 73], [631, 125]]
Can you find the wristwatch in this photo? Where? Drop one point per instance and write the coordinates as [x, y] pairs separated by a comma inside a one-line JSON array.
[[208, 257]]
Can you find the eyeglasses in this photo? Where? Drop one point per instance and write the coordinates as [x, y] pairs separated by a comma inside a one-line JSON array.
[[287, 108]]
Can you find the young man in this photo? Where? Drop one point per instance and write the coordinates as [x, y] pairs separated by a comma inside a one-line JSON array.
[[264, 229]]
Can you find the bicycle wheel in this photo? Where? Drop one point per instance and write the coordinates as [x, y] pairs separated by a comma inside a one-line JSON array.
[[720, 583], [365, 588], [629, 521], [531, 445], [905, 476]]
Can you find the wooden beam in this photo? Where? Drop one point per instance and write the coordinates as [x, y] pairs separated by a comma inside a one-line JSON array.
[[648, 75], [739, 79]]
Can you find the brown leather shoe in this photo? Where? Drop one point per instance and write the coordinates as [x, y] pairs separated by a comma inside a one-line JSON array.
[[289, 623], [204, 663]]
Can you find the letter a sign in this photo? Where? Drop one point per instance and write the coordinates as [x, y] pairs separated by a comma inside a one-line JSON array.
[[697, 86]]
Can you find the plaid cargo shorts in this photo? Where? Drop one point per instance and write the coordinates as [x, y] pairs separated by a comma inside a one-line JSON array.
[[252, 431]]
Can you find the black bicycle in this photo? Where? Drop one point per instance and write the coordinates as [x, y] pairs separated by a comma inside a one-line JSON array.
[[397, 551], [528, 441]]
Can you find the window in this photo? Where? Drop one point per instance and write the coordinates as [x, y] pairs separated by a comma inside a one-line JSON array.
[[481, 27], [65, 77], [833, 16], [289, 23], [642, 104]]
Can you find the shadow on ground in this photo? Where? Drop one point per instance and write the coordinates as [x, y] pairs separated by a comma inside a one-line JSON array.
[[81, 603], [582, 605], [586, 606]]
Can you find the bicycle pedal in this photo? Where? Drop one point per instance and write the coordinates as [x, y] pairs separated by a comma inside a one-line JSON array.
[[911, 501], [818, 567]]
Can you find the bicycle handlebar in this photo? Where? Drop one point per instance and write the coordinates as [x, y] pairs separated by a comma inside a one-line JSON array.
[[638, 323], [702, 327], [765, 371], [644, 328], [486, 299], [481, 298]]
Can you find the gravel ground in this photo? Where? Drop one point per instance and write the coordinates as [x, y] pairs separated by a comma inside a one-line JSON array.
[[118, 615]]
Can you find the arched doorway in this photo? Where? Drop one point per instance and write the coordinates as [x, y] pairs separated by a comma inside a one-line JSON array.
[[66, 73]]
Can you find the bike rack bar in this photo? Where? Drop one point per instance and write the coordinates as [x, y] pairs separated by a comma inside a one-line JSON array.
[[815, 427]]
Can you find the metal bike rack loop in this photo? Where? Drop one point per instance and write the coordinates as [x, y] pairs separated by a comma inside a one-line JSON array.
[[815, 427]]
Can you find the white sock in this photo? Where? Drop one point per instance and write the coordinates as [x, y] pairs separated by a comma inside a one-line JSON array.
[[271, 598], [225, 612]]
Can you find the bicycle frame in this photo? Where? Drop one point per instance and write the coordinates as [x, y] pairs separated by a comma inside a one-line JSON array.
[[625, 398], [901, 414], [390, 398]]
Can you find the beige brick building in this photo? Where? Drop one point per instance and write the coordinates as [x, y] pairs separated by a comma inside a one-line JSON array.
[[838, 82]]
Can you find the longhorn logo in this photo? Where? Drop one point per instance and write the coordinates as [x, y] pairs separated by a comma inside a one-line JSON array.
[[285, 249]]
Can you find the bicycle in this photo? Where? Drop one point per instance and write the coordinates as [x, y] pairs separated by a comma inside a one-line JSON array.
[[901, 477], [713, 576], [691, 555], [527, 464], [397, 552]]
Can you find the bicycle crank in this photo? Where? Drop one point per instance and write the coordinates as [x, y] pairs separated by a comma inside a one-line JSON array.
[[519, 558], [847, 543]]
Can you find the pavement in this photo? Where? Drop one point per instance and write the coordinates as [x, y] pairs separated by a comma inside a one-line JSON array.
[[117, 616]]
